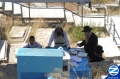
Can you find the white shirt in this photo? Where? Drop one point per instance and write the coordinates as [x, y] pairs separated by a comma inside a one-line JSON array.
[[53, 38], [35, 45]]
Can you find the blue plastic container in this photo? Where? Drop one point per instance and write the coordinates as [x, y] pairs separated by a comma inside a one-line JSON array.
[[33, 63]]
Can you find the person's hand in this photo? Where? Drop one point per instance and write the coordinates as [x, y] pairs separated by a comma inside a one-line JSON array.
[[69, 48], [48, 47]]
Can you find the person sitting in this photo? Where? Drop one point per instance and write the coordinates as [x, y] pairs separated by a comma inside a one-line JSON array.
[[59, 37], [32, 43], [90, 43]]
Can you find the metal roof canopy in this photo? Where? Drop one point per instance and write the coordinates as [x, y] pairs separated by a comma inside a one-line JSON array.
[[77, 1]]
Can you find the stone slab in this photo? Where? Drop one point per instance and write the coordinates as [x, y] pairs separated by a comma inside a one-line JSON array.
[[20, 37], [18, 32]]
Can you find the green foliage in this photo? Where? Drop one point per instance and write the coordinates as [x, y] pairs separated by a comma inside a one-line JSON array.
[[76, 34], [102, 1]]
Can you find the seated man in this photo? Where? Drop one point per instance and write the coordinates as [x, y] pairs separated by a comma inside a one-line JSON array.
[[90, 44], [32, 43], [59, 37]]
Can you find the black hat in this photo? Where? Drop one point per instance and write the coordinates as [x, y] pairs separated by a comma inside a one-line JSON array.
[[87, 29]]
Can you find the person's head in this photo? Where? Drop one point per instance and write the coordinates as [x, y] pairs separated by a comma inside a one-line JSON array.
[[58, 29], [87, 30], [32, 40]]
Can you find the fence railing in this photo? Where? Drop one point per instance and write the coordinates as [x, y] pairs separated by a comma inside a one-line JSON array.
[[112, 29]]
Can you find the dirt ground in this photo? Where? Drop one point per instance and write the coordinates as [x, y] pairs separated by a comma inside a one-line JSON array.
[[8, 71]]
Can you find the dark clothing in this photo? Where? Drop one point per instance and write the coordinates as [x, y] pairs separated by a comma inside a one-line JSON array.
[[91, 45], [96, 58], [99, 50]]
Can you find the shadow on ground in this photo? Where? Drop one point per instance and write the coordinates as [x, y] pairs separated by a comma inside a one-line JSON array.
[[8, 71], [101, 68]]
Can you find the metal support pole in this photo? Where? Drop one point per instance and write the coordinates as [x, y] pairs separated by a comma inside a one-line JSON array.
[[105, 16], [22, 14], [13, 13], [64, 12], [107, 19], [46, 4], [82, 16], [3, 7], [78, 10], [12, 8], [29, 12], [114, 33], [119, 3], [99, 2]]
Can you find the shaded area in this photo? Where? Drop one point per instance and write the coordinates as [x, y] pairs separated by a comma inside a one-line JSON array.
[[100, 68], [8, 71]]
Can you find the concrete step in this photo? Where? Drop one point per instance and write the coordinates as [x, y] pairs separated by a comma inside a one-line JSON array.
[[90, 18], [1, 4], [8, 6], [118, 41], [77, 19], [17, 9], [69, 16], [109, 47], [42, 13], [107, 5], [116, 20]]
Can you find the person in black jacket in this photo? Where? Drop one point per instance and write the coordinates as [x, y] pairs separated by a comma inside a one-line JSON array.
[[90, 42]]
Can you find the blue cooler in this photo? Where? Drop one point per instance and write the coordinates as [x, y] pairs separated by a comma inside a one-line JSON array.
[[33, 63]]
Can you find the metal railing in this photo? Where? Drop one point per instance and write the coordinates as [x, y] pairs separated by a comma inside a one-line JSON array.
[[112, 29]]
